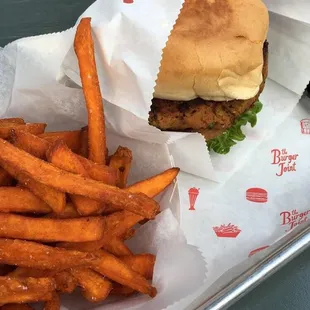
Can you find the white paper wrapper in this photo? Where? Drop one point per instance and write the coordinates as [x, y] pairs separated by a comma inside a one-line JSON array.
[[127, 82], [298, 10]]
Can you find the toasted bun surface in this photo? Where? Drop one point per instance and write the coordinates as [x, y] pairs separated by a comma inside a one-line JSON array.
[[215, 51]]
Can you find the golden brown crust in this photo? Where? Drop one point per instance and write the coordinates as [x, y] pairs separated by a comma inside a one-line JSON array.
[[214, 51]]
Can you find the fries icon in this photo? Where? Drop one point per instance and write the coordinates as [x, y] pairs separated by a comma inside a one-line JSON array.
[[227, 231]]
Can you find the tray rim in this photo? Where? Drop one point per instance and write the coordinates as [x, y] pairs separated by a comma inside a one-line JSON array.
[[274, 258]]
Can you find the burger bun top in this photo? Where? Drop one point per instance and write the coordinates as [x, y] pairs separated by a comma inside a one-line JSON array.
[[215, 51]]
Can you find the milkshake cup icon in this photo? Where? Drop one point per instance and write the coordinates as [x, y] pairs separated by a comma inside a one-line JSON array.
[[305, 126], [193, 194]]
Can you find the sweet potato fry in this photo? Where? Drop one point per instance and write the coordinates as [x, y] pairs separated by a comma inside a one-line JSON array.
[[21, 200], [25, 290], [84, 49], [69, 213], [53, 304], [116, 225], [13, 120], [120, 222], [5, 269], [23, 272], [65, 282], [108, 210], [50, 230], [128, 234], [99, 172], [121, 160], [71, 138], [38, 256], [94, 286], [16, 307], [29, 142], [113, 245], [101, 261], [5, 178], [54, 198], [50, 175], [84, 142], [141, 263], [150, 187], [38, 145], [83, 246], [35, 128], [121, 290], [156, 184], [116, 246], [61, 156], [116, 270]]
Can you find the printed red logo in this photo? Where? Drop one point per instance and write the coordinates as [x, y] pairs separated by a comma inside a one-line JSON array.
[[258, 250], [257, 195], [128, 1], [293, 218], [305, 126], [227, 231], [285, 161], [193, 193]]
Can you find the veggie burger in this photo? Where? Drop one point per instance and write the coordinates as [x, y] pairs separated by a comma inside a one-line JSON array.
[[213, 71]]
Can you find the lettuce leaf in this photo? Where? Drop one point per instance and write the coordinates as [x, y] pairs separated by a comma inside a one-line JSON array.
[[223, 143]]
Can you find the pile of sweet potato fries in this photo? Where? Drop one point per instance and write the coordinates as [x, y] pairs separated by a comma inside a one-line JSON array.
[[66, 210]]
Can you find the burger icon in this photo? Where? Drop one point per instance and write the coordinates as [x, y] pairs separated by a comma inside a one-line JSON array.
[[227, 231], [257, 195]]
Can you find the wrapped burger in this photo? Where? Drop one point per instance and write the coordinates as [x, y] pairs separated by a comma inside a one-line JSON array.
[[213, 70]]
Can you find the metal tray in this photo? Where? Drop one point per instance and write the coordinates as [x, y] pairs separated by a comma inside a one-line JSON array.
[[253, 271], [250, 273]]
